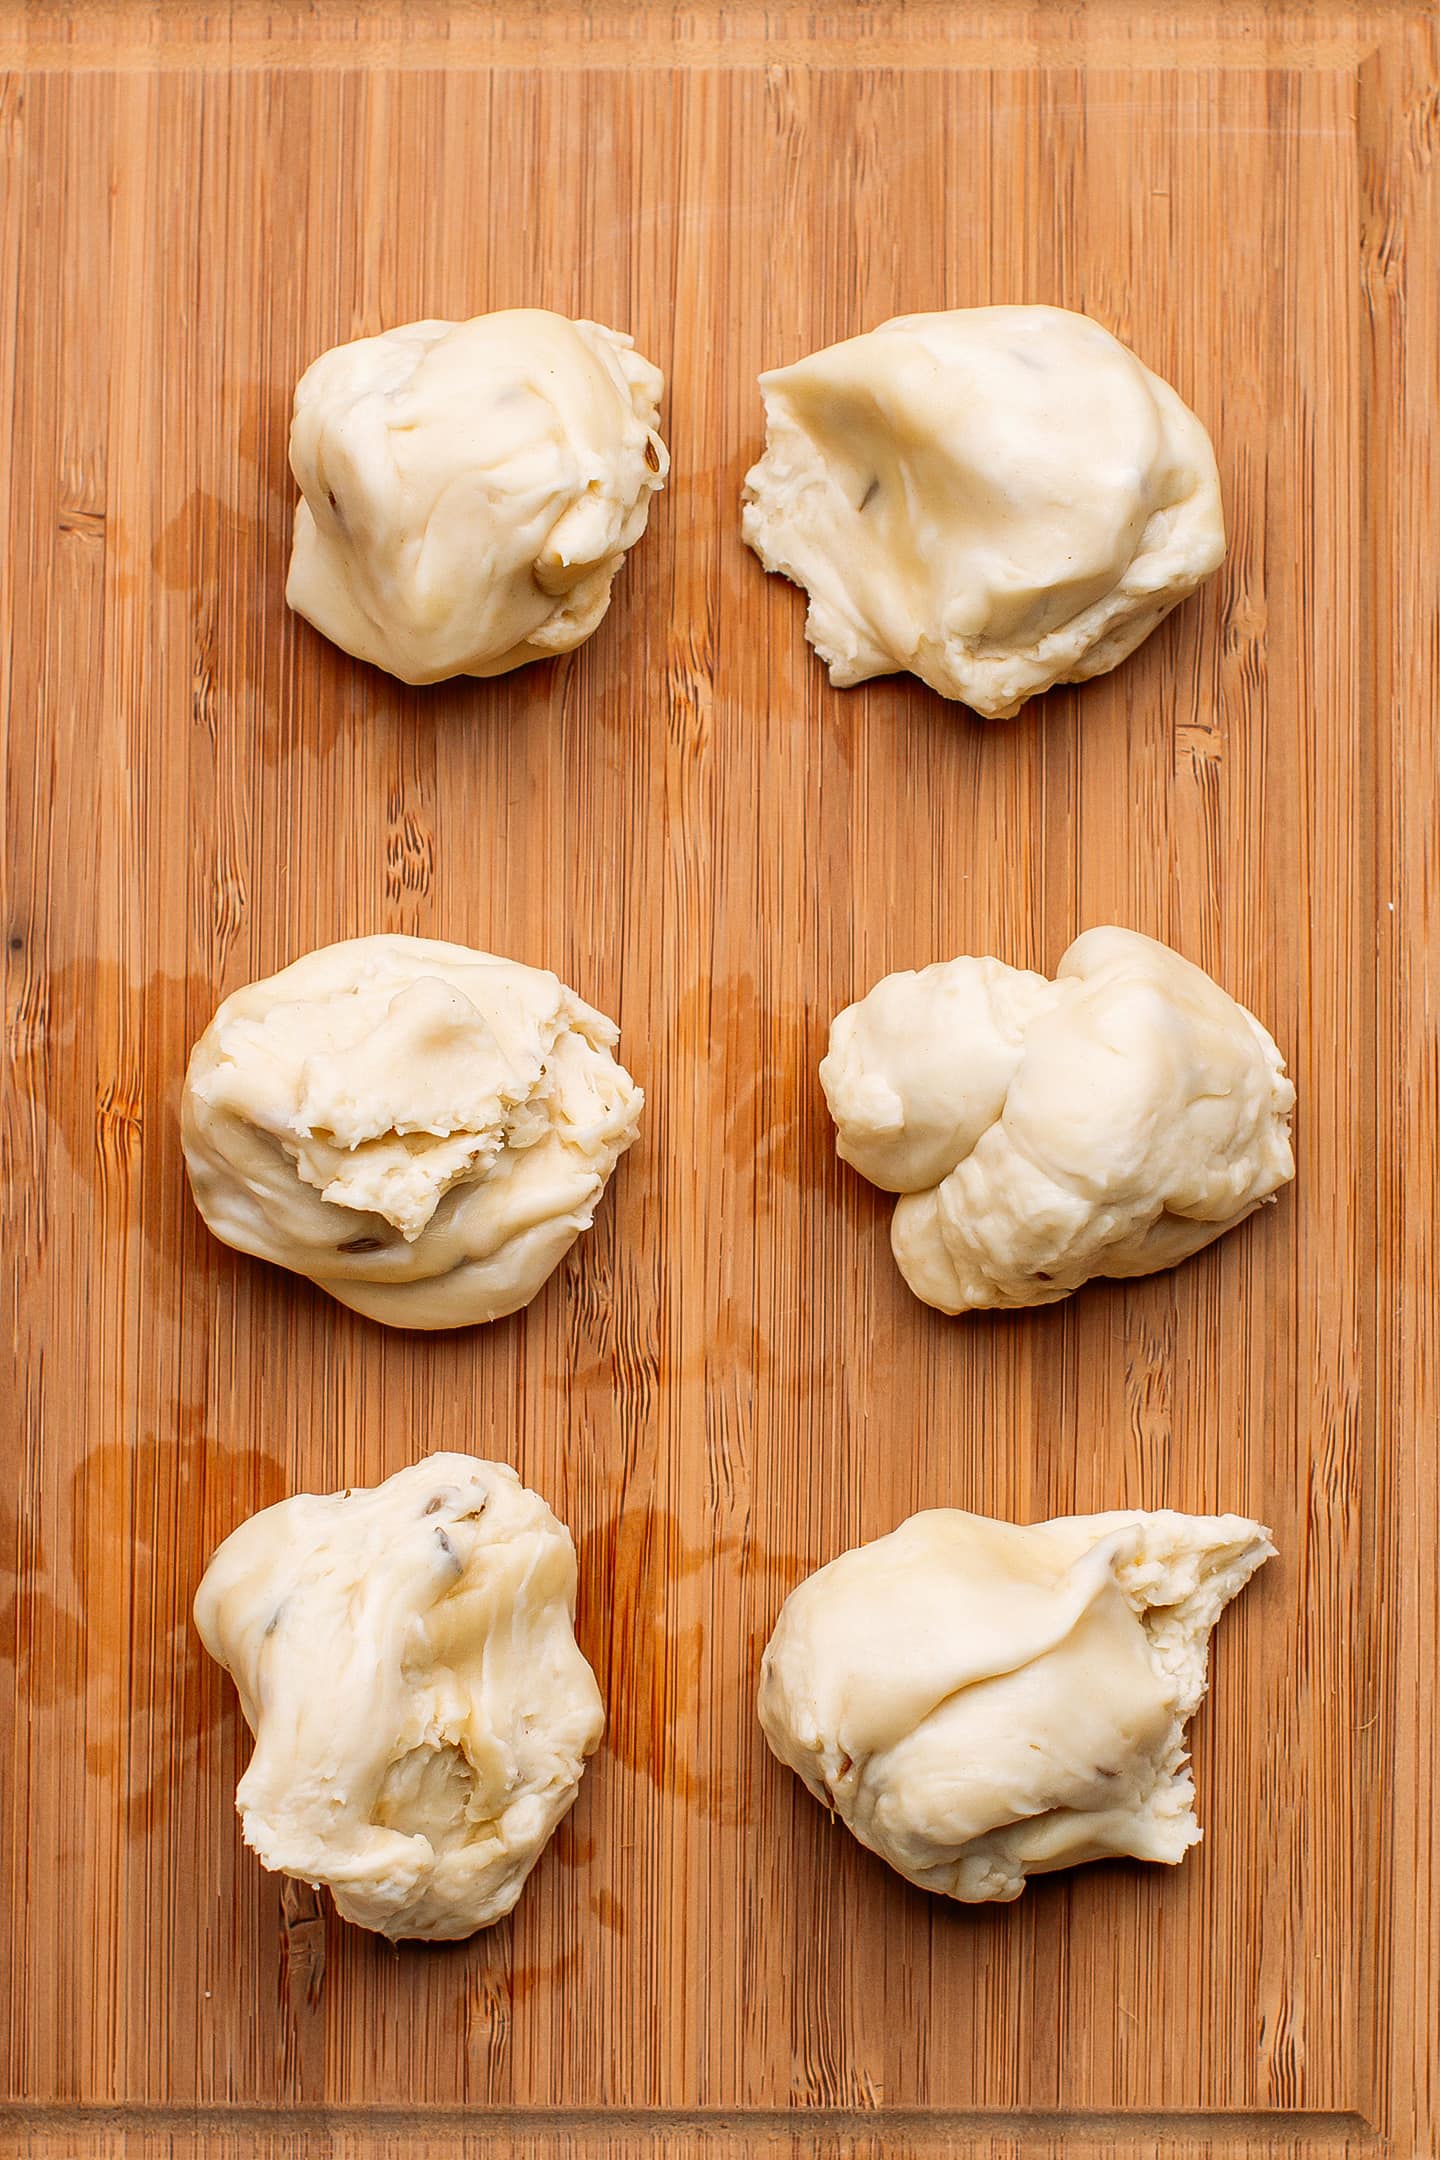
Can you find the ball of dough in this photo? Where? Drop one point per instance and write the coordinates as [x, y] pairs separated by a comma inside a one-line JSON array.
[[421, 1129], [1111, 1122], [996, 499], [980, 1701], [469, 490], [406, 1661]]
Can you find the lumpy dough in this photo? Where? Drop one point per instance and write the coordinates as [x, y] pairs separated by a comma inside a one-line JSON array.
[[980, 1702], [421, 1129], [996, 499], [1110, 1122], [406, 1660], [469, 490]]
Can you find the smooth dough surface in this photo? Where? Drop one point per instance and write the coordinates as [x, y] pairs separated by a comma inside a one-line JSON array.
[[980, 1701], [469, 490], [406, 1660], [421, 1129], [1110, 1122], [995, 499]]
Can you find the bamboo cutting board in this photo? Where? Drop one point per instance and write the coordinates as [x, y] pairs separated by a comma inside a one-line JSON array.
[[727, 1382]]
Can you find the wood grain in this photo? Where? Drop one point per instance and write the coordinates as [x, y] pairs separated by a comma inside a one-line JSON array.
[[727, 1382]]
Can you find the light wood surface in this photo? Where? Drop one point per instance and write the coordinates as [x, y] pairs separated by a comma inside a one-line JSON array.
[[727, 1382]]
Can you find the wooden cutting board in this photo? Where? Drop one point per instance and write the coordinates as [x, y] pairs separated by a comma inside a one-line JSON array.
[[727, 1382]]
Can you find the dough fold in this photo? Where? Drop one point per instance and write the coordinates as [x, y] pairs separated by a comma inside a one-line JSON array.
[[422, 1129], [980, 1701], [1110, 1122], [994, 499], [422, 1714], [470, 490]]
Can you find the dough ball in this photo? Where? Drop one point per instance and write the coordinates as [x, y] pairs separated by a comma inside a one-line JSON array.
[[406, 1661], [980, 1702], [1040, 1133], [996, 499], [421, 1129], [469, 490]]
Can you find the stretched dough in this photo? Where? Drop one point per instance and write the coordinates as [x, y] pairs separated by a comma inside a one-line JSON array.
[[980, 1701], [1111, 1122], [421, 1129], [406, 1661], [996, 499], [469, 490]]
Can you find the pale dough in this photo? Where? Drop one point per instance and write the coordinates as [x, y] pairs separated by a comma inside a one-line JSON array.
[[1040, 1133], [406, 1660], [996, 499], [421, 1129], [980, 1702], [469, 490]]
